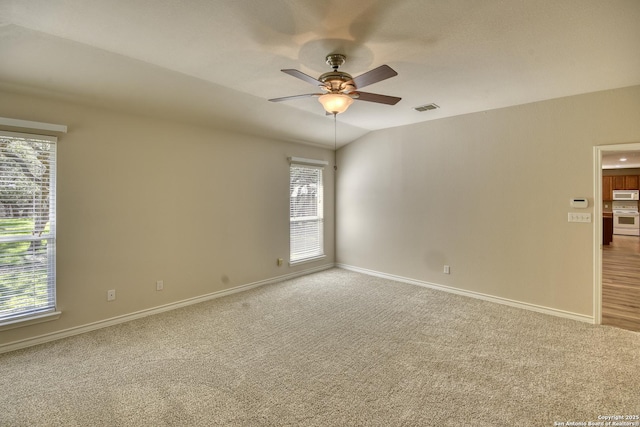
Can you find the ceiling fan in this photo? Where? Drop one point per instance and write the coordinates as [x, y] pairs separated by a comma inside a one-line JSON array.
[[339, 89]]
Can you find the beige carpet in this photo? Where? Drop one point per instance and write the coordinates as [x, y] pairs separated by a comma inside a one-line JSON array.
[[335, 348]]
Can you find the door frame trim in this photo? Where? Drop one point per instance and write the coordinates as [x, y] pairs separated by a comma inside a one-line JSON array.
[[598, 150]]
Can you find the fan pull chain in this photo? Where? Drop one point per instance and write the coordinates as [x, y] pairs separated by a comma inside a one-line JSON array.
[[335, 143]]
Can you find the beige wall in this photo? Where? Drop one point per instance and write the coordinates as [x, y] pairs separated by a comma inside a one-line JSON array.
[[486, 193], [142, 199]]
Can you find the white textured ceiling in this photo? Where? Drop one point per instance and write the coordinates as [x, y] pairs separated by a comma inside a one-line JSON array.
[[613, 160], [217, 62]]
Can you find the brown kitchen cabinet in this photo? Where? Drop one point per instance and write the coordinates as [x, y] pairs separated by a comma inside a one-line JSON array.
[[618, 182], [607, 229], [630, 182], [625, 182], [607, 188]]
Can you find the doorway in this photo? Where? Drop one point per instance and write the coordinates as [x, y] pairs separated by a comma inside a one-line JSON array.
[[617, 265]]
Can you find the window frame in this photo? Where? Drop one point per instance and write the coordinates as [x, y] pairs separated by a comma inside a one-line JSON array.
[[299, 257], [35, 314]]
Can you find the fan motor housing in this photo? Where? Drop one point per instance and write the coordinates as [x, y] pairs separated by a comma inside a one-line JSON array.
[[335, 75], [337, 81]]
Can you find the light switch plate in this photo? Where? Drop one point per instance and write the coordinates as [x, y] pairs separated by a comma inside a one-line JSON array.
[[579, 217]]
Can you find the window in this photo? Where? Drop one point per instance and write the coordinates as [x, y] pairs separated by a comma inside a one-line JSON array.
[[27, 226], [306, 210]]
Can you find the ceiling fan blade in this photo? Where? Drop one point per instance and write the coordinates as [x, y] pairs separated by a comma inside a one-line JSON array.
[[374, 97], [376, 75], [302, 76], [287, 98]]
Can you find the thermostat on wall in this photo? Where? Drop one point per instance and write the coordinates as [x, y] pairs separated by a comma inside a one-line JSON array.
[[579, 203]]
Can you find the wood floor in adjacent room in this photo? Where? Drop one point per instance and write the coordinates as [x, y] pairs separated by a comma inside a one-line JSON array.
[[621, 283]]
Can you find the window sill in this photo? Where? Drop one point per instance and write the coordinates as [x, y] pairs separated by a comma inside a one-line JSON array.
[[306, 260], [29, 320]]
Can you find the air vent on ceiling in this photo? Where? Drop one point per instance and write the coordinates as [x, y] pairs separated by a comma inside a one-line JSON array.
[[426, 107]]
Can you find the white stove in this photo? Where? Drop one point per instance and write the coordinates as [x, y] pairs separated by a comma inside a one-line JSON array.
[[626, 218]]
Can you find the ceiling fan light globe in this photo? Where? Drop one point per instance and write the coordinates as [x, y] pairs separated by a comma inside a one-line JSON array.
[[335, 103]]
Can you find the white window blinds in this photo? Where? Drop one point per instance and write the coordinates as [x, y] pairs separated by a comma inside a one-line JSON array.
[[306, 212], [27, 225]]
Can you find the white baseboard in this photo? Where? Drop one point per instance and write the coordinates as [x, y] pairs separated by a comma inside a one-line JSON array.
[[41, 339], [472, 294]]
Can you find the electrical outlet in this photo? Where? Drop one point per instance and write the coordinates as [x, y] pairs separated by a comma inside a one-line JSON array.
[[447, 269], [280, 261], [111, 294], [159, 285]]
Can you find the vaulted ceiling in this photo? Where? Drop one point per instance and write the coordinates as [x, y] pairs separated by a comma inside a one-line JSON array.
[[217, 62]]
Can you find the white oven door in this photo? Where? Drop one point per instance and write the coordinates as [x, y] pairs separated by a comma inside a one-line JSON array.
[[626, 223]]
